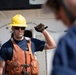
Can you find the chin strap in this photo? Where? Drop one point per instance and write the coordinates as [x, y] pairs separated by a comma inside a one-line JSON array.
[[68, 13]]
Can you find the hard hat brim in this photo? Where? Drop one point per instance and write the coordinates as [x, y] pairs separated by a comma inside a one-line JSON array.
[[18, 25]]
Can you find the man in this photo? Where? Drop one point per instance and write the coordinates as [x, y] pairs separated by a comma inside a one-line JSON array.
[[18, 43], [64, 62]]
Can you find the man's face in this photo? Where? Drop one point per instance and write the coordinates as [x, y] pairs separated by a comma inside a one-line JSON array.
[[71, 5], [18, 32], [61, 15], [59, 11]]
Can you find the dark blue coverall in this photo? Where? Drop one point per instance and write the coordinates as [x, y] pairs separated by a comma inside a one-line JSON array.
[[64, 61]]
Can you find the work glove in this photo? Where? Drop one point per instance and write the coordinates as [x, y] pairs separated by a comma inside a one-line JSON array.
[[40, 27]]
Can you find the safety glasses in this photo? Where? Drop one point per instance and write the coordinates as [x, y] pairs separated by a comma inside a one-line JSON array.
[[17, 28]]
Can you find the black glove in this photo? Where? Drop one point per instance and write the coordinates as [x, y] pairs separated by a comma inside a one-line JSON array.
[[40, 27]]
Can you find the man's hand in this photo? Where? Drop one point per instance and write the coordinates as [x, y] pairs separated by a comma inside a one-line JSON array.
[[40, 27]]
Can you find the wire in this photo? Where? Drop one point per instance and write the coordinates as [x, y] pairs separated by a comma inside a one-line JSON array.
[[57, 31], [48, 30], [3, 26], [37, 24]]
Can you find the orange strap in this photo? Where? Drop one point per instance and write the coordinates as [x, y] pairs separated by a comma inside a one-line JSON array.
[[29, 57]]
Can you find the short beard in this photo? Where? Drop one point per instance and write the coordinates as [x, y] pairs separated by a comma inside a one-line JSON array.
[[18, 38]]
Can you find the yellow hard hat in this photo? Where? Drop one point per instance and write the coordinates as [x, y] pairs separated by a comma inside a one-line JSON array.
[[18, 21]]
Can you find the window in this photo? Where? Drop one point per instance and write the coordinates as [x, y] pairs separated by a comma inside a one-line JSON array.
[[19, 4]]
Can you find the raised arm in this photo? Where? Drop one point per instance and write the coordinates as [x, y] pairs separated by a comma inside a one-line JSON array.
[[50, 43]]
